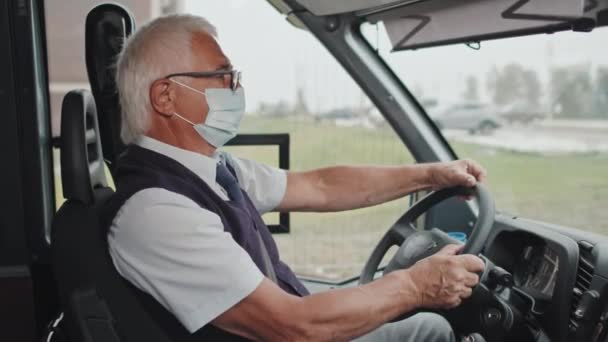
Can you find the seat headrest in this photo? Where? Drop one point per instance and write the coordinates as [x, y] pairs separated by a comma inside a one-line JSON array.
[[82, 163], [107, 26]]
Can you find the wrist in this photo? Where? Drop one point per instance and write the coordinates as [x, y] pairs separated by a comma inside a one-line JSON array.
[[426, 178], [410, 289]]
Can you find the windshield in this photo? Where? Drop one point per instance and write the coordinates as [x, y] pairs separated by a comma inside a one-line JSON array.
[[533, 110]]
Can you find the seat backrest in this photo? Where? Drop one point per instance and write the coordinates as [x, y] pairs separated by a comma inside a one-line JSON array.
[[82, 164], [107, 27], [99, 305]]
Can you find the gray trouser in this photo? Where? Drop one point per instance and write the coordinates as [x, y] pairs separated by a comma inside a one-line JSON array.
[[426, 327]]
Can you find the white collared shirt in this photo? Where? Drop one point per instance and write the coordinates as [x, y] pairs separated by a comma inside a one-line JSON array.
[[168, 246]]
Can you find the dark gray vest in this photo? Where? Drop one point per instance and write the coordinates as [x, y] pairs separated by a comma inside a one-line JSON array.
[[139, 169]]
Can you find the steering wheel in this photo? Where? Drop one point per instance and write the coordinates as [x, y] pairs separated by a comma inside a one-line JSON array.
[[416, 245]]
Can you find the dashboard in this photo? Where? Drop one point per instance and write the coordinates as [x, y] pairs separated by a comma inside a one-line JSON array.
[[536, 270], [533, 260], [559, 292], [557, 272]]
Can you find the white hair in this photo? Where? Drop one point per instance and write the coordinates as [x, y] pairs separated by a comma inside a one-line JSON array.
[[161, 47]]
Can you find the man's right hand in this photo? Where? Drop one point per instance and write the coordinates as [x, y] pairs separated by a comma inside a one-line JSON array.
[[444, 279]]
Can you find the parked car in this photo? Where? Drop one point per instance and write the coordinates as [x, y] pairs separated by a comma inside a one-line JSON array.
[[521, 112], [473, 117], [345, 117]]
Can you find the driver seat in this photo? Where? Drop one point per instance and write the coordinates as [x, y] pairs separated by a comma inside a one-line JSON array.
[[98, 304]]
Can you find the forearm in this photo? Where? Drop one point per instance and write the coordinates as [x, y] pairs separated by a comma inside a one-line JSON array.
[[347, 187], [350, 187], [270, 314], [341, 315]]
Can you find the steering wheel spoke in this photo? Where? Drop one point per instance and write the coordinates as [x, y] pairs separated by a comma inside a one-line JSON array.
[[400, 232], [404, 228]]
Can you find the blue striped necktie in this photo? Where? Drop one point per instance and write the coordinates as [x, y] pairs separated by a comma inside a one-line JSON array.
[[226, 180]]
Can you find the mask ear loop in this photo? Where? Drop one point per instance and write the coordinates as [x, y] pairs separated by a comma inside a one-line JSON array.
[[189, 87], [183, 118]]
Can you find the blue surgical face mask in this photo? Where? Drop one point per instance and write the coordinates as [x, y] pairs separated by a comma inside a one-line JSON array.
[[226, 109]]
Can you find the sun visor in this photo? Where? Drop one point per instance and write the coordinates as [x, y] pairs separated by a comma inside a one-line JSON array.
[[433, 23], [328, 7]]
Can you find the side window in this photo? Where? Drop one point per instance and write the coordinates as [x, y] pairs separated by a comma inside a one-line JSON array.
[[293, 85]]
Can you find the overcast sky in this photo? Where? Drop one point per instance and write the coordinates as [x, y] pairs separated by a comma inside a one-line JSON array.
[[276, 58]]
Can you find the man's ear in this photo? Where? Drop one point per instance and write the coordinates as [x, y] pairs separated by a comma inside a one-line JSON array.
[[162, 97]]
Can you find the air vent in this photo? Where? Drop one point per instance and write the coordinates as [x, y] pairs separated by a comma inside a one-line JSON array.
[[584, 275]]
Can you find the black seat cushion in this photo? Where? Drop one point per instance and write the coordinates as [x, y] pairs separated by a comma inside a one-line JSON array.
[[98, 303]]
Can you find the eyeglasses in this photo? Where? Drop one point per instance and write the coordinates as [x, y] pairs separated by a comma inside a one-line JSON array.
[[234, 75]]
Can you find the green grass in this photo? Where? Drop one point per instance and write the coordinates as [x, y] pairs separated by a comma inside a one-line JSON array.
[[570, 190]]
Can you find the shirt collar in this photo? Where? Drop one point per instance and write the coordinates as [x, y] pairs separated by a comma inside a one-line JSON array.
[[202, 165]]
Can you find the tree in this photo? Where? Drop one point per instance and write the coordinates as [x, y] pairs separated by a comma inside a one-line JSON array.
[[506, 84], [491, 79], [571, 91], [471, 92], [601, 93], [300, 107], [532, 88], [514, 83]]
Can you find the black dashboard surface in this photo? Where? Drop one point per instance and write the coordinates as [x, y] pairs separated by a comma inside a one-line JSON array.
[[543, 264], [555, 267]]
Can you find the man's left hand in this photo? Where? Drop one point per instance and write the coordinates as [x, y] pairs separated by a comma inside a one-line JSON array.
[[463, 172]]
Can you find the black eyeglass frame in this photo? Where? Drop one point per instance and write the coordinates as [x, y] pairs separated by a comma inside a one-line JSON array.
[[235, 75]]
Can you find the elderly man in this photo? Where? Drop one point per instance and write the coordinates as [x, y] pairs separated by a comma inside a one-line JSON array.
[[185, 220]]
